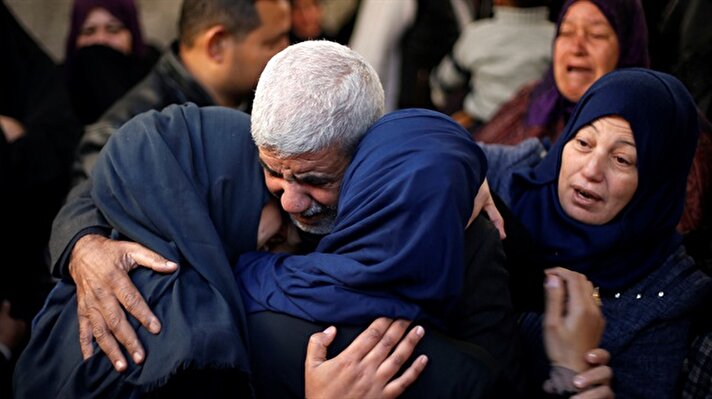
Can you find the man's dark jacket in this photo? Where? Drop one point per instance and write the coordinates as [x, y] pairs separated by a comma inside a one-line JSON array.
[[168, 83]]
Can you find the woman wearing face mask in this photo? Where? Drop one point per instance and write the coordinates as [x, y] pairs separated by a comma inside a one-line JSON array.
[[105, 54], [605, 202]]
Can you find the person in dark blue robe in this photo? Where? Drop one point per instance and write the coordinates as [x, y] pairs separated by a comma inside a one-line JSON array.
[[165, 181]]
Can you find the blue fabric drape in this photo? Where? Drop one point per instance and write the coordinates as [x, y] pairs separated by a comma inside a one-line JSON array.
[[186, 183], [397, 247], [662, 116]]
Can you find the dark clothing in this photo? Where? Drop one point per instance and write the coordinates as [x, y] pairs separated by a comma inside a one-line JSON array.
[[100, 75], [432, 35], [698, 368], [34, 172], [471, 361], [180, 157], [34, 169], [646, 324], [123, 10], [684, 46], [168, 83], [456, 369]]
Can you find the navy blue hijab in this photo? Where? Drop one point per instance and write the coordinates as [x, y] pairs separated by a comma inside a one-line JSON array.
[[186, 183], [662, 116], [397, 247]]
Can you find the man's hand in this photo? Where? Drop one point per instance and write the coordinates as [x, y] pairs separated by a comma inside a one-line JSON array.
[[366, 367], [484, 202], [100, 267], [595, 383], [573, 323]]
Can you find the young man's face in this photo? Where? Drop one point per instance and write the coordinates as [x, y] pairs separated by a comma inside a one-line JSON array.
[[248, 57], [307, 186]]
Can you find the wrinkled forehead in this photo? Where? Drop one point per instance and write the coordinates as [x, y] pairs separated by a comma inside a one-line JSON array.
[[328, 161]]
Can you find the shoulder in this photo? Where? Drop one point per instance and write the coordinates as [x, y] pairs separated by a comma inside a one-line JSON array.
[[667, 295], [503, 159]]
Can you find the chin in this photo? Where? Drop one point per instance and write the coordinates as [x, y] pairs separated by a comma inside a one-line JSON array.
[[323, 227], [581, 215]]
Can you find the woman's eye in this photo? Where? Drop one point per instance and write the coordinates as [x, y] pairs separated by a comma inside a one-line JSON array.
[[622, 161], [582, 143], [114, 29], [87, 31]]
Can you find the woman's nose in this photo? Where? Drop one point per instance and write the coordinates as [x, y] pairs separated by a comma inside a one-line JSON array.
[[593, 169]]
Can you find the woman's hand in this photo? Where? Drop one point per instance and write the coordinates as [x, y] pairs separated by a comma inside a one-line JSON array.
[[484, 202], [573, 323]]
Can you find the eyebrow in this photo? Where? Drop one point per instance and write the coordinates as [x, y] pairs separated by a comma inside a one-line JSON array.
[[599, 22], [620, 141], [312, 178], [630, 143], [268, 169]]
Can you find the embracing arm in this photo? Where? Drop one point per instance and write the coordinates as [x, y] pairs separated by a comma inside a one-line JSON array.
[[77, 218], [99, 267], [366, 368]]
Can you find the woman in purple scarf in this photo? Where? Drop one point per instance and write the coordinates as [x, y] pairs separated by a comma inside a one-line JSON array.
[[593, 37]]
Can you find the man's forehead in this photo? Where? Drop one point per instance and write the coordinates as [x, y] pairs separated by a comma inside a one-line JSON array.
[[326, 161]]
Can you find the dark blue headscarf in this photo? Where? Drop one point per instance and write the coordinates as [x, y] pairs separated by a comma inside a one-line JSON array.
[[397, 247], [186, 183], [662, 116]]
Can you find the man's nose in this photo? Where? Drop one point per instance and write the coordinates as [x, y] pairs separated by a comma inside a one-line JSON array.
[[294, 199]]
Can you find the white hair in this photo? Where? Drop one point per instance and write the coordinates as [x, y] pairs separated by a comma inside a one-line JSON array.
[[315, 95]]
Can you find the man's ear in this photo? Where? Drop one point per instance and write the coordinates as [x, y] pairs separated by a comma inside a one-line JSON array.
[[216, 43]]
